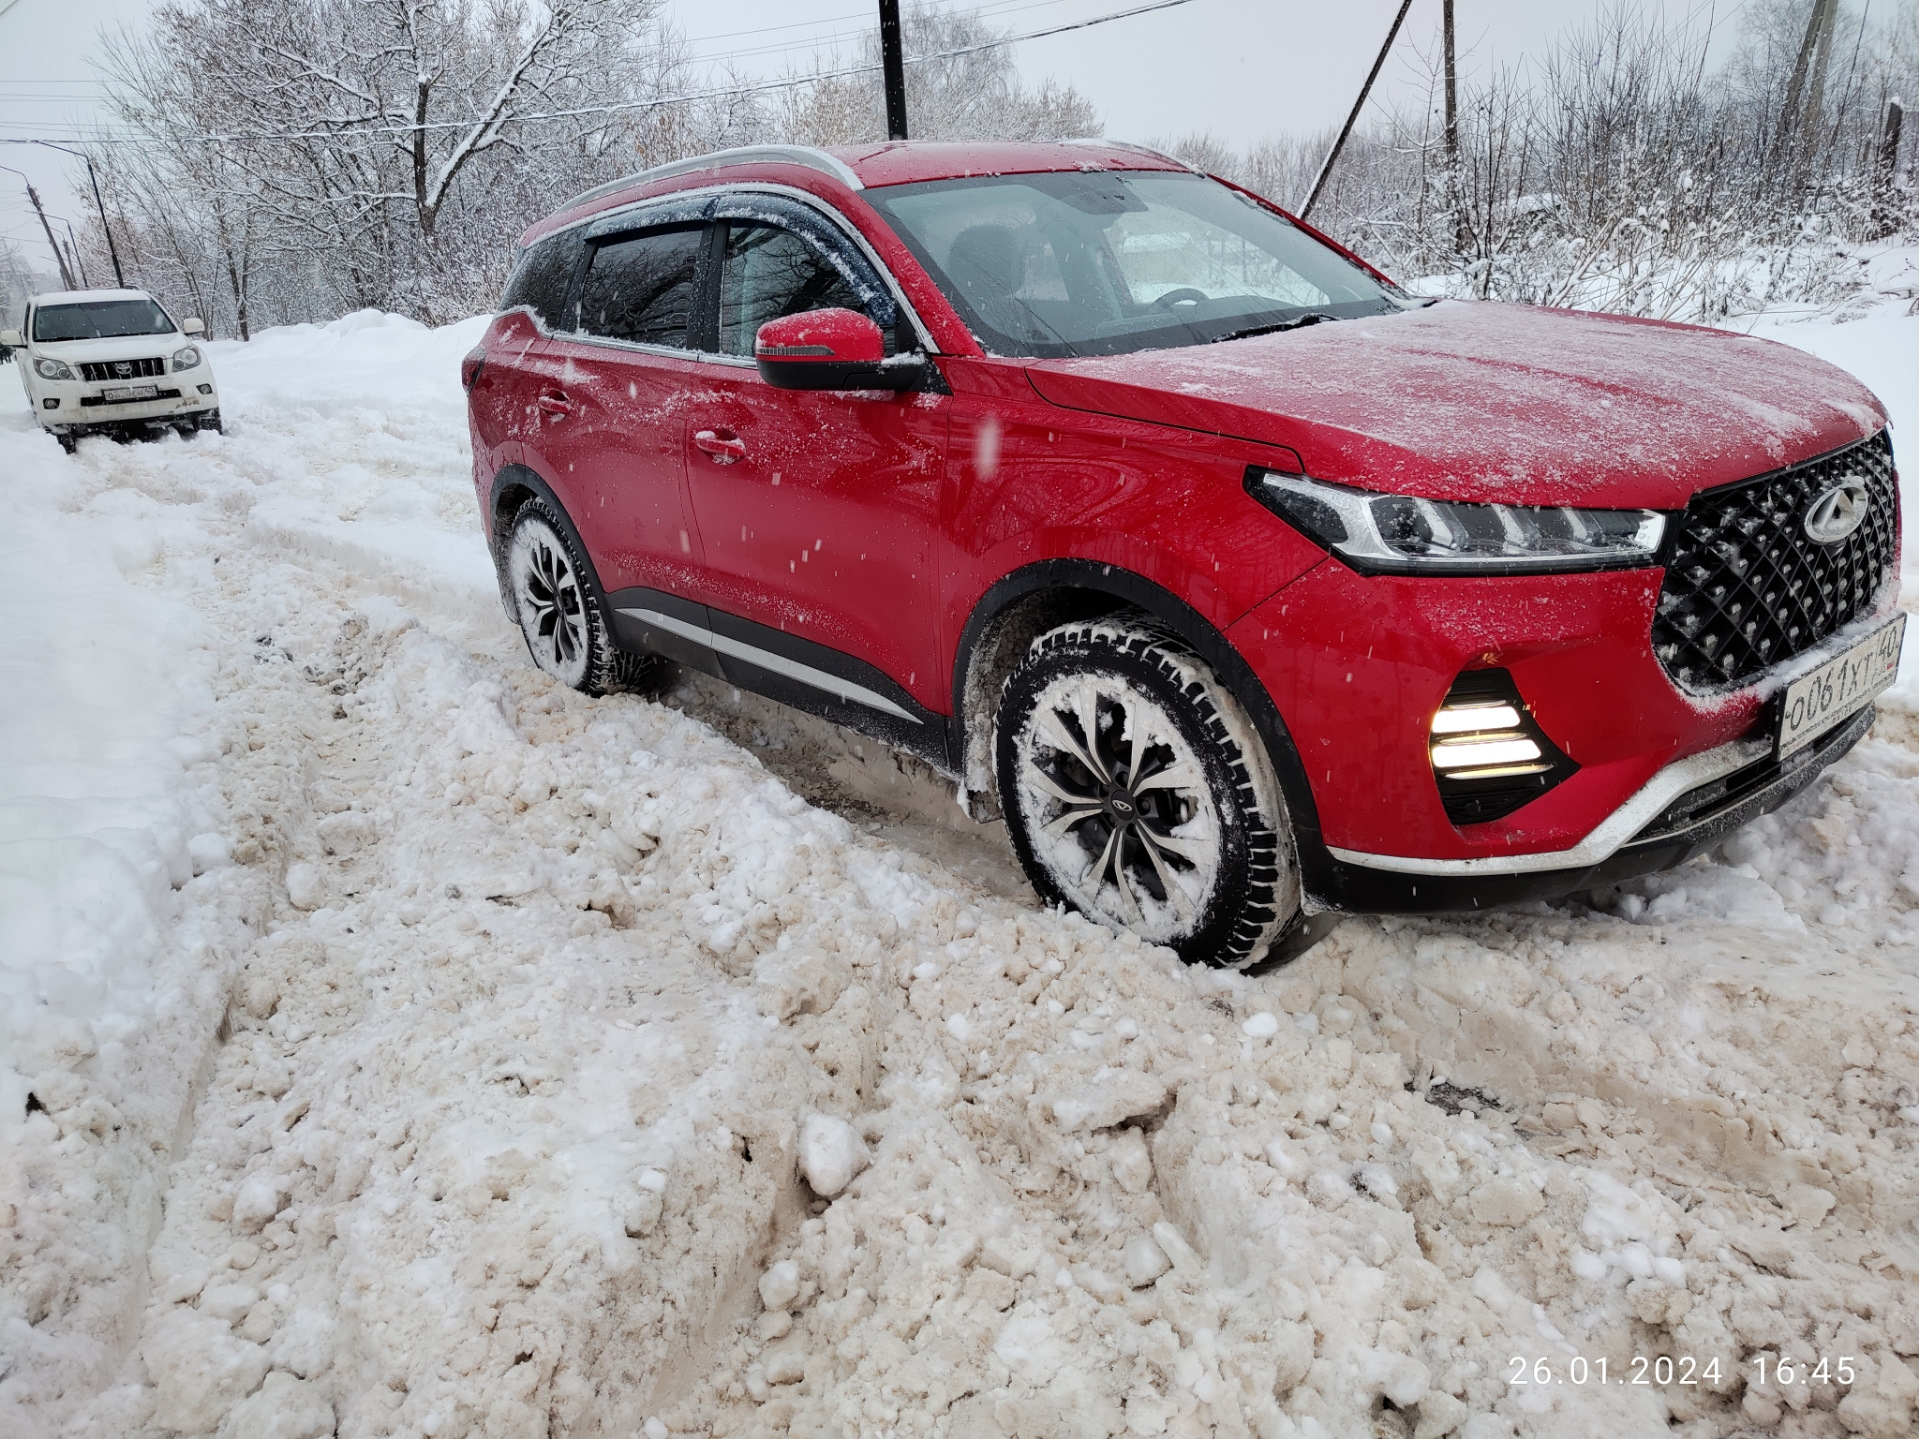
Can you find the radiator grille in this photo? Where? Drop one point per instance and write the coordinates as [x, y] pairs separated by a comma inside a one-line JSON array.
[[1747, 588], [106, 371]]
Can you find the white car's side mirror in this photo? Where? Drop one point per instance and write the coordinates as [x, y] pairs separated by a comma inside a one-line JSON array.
[[12, 339], [194, 326]]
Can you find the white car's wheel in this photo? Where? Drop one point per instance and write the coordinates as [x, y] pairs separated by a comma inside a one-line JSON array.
[[1137, 792]]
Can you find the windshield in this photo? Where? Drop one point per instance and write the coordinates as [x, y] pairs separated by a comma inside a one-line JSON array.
[[100, 320], [1102, 263]]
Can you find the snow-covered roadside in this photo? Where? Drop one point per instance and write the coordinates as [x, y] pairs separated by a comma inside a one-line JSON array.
[[509, 1129], [115, 959]]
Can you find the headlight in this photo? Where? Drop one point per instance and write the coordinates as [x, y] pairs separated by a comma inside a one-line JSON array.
[[1398, 534], [52, 370], [187, 358]]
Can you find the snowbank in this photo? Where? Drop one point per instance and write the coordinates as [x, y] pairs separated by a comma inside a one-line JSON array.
[[578, 1076]]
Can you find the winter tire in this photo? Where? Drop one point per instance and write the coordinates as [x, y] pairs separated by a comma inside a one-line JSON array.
[[558, 608], [1137, 792]]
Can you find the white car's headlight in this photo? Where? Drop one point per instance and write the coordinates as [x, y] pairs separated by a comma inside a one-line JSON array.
[[52, 369], [1401, 534], [187, 358]]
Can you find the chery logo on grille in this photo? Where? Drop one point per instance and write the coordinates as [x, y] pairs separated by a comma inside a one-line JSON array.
[[1837, 512]]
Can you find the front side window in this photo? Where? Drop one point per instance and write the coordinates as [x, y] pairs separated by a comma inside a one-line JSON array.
[[1102, 263], [768, 272], [642, 288], [100, 320]]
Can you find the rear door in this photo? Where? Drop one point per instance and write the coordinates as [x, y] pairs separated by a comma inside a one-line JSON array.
[[616, 396], [819, 509]]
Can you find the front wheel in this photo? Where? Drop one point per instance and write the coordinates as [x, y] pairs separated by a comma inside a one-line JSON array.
[[1137, 791]]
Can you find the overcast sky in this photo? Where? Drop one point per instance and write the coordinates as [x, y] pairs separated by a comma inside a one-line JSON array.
[[1243, 69]]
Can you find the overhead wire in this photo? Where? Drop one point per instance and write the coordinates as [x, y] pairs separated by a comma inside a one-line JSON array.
[[620, 107]]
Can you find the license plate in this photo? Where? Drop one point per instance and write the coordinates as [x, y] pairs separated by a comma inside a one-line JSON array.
[[1816, 702], [131, 392]]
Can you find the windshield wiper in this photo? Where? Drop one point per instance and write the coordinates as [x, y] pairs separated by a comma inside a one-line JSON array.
[[1298, 322]]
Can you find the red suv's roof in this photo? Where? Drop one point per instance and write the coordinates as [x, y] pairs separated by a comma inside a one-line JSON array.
[[904, 161], [859, 166]]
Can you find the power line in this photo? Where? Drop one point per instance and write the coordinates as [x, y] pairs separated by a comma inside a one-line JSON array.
[[722, 93]]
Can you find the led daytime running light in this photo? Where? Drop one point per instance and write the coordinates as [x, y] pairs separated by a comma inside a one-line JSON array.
[[1405, 534]]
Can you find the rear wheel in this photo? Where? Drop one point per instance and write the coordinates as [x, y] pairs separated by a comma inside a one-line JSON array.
[[559, 611], [1137, 792]]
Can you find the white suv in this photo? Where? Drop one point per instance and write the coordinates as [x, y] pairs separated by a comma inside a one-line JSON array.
[[97, 361]]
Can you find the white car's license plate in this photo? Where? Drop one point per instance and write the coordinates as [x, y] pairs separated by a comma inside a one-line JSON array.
[[131, 392], [1816, 702]]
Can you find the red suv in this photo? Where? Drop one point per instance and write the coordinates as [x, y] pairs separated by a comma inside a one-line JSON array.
[[1245, 585]]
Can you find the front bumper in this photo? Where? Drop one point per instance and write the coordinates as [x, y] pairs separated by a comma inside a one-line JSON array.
[[84, 406], [1357, 666], [1696, 819]]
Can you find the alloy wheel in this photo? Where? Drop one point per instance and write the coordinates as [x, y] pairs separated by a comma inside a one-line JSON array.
[[547, 592], [1120, 811]]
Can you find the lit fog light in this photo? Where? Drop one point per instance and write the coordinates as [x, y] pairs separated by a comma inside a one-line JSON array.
[[1488, 753], [1472, 754], [1472, 719]]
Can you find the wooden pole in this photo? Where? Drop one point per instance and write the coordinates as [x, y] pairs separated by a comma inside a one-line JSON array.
[[893, 64], [1332, 156], [1455, 201]]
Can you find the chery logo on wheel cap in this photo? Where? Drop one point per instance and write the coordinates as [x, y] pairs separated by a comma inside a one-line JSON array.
[[1837, 512]]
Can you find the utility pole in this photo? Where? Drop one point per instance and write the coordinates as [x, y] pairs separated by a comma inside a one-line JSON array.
[[60, 259], [1332, 156], [99, 204], [893, 64], [1455, 201], [73, 249]]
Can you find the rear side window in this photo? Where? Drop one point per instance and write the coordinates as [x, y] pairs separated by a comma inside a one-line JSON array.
[[541, 279], [642, 288], [769, 272]]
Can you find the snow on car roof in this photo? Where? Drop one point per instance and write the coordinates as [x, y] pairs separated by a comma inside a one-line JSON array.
[[905, 162]]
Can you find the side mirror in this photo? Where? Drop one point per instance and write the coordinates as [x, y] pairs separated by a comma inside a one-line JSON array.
[[13, 339], [194, 326], [831, 350]]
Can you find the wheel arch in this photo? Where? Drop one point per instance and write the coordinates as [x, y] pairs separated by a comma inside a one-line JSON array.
[[1037, 597]]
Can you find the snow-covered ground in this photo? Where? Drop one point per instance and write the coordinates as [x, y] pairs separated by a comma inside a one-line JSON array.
[[395, 1044]]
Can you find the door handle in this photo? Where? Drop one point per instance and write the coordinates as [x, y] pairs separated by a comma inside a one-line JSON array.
[[723, 445], [555, 403]]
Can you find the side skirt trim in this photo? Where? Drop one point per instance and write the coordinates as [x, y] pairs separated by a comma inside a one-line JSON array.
[[818, 679]]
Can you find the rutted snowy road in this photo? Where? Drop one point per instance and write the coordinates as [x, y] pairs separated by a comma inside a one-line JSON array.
[[474, 1064]]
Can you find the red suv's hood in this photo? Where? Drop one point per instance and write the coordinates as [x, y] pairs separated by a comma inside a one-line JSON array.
[[1495, 402]]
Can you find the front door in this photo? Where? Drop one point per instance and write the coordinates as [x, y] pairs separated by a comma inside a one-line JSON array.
[[819, 510]]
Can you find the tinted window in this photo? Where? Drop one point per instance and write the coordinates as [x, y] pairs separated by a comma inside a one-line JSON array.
[[541, 278], [642, 288], [769, 272], [100, 320], [1100, 263]]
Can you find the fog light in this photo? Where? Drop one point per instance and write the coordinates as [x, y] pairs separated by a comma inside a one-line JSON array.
[[51, 404], [1489, 756], [206, 389]]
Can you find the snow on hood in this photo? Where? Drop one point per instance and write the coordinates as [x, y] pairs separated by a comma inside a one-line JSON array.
[[1496, 402]]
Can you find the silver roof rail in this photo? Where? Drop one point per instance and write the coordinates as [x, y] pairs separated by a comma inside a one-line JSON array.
[[1136, 149], [807, 155]]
